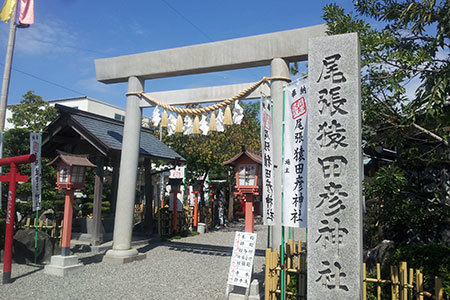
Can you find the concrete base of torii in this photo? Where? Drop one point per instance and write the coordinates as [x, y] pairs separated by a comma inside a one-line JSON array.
[[123, 256], [63, 265]]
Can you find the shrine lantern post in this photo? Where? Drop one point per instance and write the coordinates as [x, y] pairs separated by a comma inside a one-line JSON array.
[[247, 165], [70, 177]]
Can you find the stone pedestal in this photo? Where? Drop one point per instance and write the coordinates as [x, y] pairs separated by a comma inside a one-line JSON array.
[[63, 265], [252, 293], [123, 256]]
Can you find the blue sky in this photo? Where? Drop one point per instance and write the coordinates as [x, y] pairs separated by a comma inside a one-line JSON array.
[[55, 56]]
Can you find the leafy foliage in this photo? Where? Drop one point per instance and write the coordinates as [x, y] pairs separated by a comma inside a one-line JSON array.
[[432, 259], [32, 113], [407, 42], [405, 48]]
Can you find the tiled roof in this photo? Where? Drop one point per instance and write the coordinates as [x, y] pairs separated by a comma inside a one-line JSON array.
[[109, 133], [253, 155], [73, 159]]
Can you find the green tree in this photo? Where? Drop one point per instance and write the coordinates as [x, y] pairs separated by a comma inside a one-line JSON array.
[[404, 48], [32, 113]]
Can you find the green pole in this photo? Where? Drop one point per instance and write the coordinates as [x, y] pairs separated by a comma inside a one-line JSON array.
[[36, 221]]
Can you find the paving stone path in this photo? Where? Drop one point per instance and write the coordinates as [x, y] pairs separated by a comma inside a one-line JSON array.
[[189, 268]]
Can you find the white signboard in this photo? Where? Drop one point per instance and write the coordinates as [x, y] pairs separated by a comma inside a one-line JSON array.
[[295, 147], [178, 172], [267, 161], [36, 170], [241, 266]]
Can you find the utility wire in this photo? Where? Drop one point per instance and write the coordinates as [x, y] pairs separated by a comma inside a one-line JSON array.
[[47, 81], [187, 20]]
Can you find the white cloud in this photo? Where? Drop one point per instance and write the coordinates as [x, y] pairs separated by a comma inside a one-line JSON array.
[[136, 28], [91, 85], [50, 37]]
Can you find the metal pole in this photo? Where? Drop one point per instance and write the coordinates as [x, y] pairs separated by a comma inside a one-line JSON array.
[[7, 70], [278, 68], [5, 85], [123, 223]]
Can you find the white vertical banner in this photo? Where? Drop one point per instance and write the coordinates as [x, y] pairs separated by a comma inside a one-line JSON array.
[[267, 160], [295, 146], [36, 170]]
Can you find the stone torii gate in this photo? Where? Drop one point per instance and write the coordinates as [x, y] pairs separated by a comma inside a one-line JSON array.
[[274, 49]]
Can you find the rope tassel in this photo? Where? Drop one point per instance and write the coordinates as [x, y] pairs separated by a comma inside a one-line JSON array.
[[164, 120], [212, 122], [227, 118], [179, 127], [196, 128]]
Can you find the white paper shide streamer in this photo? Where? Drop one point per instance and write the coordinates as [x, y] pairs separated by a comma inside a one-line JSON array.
[[204, 126], [188, 125], [172, 125], [294, 163], [238, 113], [156, 117], [219, 121]]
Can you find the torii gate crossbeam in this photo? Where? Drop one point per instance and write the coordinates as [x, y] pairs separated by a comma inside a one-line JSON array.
[[274, 49]]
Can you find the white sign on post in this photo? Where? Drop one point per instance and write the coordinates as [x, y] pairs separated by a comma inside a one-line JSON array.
[[36, 171], [241, 266], [295, 148], [267, 161]]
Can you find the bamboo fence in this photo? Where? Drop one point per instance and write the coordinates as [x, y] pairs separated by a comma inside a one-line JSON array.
[[50, 227], [165, 221], [404, 283]]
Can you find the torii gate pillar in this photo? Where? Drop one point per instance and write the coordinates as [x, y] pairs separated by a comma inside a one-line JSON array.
[[123, 223], [278, 68]]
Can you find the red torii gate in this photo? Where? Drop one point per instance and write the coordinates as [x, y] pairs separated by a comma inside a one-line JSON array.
[[13, 177]]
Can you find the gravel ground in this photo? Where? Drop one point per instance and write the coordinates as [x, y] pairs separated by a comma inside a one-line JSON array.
[[189, 268]]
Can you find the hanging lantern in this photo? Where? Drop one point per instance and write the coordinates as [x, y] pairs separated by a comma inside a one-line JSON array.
[[71, 170]]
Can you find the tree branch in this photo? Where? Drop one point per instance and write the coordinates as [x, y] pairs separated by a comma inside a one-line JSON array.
[[433, 135]]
